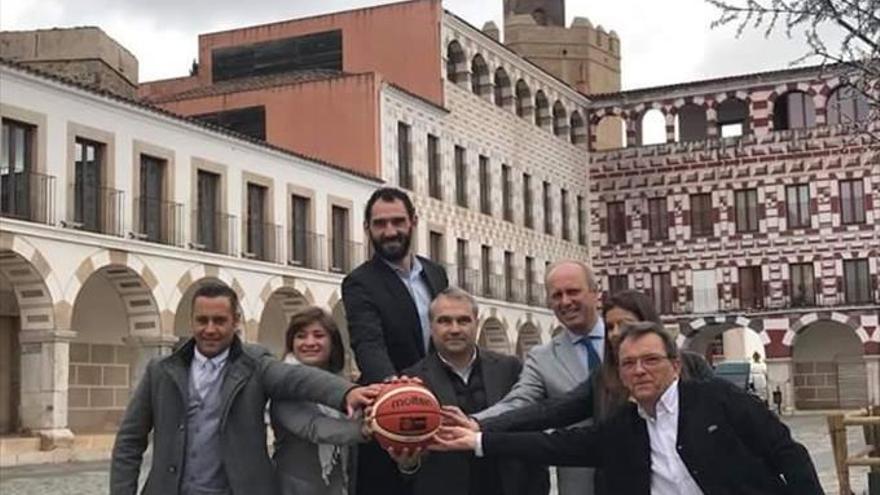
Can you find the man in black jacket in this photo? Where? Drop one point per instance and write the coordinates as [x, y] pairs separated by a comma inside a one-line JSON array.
[[681, 438], [387, 300]]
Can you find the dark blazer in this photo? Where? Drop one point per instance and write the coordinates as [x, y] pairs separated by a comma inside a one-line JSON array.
[[383, 321], [159, 406], [444, 473], [577, 404], [729, 440]]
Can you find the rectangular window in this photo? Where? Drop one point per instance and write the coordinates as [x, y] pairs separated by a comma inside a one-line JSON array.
[[746, 205], [701, 215], [506, 193], [152, 201], [16, 167], [461, 193], [658, 219], [508, 276], [661, 291], [435, 175], [404, 156], [803, 285], [461, 262], [250, 121], [87, 184], [616, 222], [486, 270], [528, 207], [207, 210], [298, 53], [797, 205], [566, 228], [340, 259], [856, 281], [435, 247], [751, 288], [485, 186], [531, 289], [852, 201], [582, 221], [301, 248], [548, 209], [617, 283], [257, 230]]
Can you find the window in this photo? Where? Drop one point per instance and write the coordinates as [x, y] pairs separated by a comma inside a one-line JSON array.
[[207, 210], [616, 222], [461, 194], [856, 281], [257, 228], [803, 287], [508, 275], [16, 167], [250, 121], [523, 99], [582, 221], [751, 288], [531, 290], [301, 238], [732, 116], [435, 247], [793, 110], [528, 207], [461, 255], [548, 209], [701, 215], [486, 269], [658, 219], [340, 259], [852, 201], [661, 291], [797, 205], [617, 283], [404, 156], [566, 228], [312, 51], [506, 191], [456, 63], [151, 201], [847, 105], [746, 204], [87, 190], [485, 186], [434, 168]]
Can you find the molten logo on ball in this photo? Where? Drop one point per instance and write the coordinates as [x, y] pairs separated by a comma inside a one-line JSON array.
[[411, 401]]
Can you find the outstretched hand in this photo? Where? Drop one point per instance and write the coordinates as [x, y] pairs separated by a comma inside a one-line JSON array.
[[453, 416], [454, 438], [360, 398]]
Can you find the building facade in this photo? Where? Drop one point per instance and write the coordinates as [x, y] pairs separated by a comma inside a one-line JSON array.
[[752, 217]]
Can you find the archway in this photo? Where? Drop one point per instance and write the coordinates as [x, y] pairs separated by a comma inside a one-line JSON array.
[[503, 88], [725, 341], [281, 306], [560, 119], [653, 128], [456, 63], [523, 99], [528, 336], [610, 133], [829, 367], [493, 336], [578, 134], [481, 84], [542, 110]]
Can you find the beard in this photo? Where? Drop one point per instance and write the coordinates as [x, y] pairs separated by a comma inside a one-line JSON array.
[[393, 249]]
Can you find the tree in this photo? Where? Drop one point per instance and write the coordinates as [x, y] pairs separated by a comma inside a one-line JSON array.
[[856, 57]]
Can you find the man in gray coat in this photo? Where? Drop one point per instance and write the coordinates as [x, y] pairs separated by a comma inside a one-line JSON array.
[[205, 406]]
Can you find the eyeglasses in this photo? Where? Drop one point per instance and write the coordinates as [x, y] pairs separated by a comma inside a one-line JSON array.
[[648, 362]]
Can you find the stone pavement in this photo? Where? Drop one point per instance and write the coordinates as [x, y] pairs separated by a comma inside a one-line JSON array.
[[92, 478]]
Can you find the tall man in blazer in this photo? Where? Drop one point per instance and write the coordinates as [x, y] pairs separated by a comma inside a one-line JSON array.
[[205, 407], [471, 379], [387, 300], [677, 438], [554, 368]]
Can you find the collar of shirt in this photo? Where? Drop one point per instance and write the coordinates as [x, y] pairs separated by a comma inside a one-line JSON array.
[[463, 373], [597, 332], [414, 271], [218, 361], [667, 404]]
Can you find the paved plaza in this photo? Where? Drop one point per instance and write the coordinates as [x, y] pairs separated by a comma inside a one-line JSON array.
[[92, 478]]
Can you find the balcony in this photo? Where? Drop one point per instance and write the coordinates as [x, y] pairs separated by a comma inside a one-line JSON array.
[[345, 255], [306, 249], [262, 241], [710, 302], [215, 232], [96, 209], [536, 295], [28, 196], [158, 221]]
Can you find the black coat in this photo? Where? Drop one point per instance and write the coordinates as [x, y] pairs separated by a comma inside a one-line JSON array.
[[729, 440], [383, 321], [444, 473]]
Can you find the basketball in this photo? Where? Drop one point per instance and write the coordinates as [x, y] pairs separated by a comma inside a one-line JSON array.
[[405, 415]]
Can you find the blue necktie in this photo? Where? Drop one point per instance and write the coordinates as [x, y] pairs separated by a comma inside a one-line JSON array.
[[593, 359]]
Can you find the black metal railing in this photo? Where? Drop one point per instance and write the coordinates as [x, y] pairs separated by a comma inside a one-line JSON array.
[[158, 221], [96, 208], [214, 232], [305, 249], [262, 241], [344, 255], [27, 196], [535, 294], [515, 290]]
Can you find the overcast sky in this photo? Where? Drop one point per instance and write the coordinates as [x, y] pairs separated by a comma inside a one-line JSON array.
[[662, 41]]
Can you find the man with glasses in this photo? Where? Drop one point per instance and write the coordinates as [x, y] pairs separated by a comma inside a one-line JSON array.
[[681, 438]]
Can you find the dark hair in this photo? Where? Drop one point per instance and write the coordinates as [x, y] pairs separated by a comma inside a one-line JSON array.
[[633, 331], [455, 294], [215, 289], [388, 194], [637, 303], [314, 314]]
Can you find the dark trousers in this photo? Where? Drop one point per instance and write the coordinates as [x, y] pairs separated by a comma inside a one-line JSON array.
[[377, 473]]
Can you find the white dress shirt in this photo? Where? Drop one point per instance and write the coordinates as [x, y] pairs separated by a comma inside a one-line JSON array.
[[596, 339], [421, 295], [669, 474], [206, 371]]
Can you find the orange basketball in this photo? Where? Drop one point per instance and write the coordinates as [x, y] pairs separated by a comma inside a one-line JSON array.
[[405, 415]]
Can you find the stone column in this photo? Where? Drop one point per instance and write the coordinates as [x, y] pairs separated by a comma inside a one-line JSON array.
[[45, 364], [779, 373], [872, 368], [145, 348]]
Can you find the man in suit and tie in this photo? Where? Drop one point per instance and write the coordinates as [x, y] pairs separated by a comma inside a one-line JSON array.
[[471, 379], [387, 300], [676, 438], [554, 368]]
